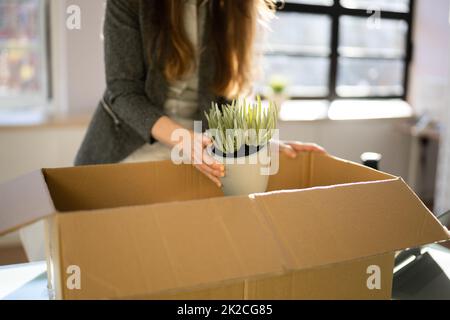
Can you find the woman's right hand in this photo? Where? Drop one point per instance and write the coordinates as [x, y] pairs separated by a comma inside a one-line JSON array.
[[163, 131], [206, 164]]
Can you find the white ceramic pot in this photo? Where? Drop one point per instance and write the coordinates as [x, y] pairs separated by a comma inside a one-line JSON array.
[[247, 174]]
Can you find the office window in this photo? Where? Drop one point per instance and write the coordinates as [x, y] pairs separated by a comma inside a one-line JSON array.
[[23, 55], [330, 49]]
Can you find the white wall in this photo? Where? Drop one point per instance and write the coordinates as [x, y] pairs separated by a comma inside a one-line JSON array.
[[430, 81], [27, 149], [430, 70], [443, 180], [443, 183], [79, 76]]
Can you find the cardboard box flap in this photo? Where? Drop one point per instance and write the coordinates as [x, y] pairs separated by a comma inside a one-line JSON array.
[[17, 211], [327, 225], [119, 185], [326, 170], [311, 169], [168, 246]]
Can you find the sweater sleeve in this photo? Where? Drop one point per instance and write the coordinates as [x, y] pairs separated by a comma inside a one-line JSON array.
[[126, 70]]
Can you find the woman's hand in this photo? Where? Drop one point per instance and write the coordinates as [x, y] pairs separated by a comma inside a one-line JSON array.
[[164, 130], [204, 163], [292, 148]]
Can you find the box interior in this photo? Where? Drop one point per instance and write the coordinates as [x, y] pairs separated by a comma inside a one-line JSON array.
[[110, 186]]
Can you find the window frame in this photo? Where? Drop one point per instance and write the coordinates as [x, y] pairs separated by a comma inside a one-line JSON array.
[[335, 12], [40, 100]]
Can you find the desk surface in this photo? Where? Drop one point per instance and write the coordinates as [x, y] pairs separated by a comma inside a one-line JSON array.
[[24, 282], [29, 281]]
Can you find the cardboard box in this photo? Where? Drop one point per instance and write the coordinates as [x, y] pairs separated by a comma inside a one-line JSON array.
[[160, 231]]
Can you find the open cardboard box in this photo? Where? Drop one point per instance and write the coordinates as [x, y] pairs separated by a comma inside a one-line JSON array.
[[160, 231]]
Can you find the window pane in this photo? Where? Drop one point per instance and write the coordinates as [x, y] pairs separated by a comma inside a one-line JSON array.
[[303, 76], [316, 2], [386, 5], [22, 55], [387, 39], [364, 77], [300, 33]]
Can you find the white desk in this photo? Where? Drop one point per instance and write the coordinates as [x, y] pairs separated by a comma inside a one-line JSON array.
[[24, 282]]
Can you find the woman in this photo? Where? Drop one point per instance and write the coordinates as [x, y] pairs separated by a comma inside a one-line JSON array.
[[166, 61]]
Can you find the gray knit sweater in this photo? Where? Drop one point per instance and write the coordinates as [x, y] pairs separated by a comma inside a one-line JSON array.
[[136, 87]]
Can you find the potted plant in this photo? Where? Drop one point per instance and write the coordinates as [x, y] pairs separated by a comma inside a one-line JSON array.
[[241, 134]]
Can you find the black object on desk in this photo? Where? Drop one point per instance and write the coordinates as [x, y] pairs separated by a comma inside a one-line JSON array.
[[422, 278], [371, 160]]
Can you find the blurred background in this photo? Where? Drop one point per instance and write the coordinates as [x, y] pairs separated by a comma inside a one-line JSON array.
[[352, 75]]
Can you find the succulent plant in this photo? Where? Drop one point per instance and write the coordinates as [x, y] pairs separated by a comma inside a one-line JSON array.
[[240, 124]]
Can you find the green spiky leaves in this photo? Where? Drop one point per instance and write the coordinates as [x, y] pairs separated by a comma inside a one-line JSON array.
[[241, 123]]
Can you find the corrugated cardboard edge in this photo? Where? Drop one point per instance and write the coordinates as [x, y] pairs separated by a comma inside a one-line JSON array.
[[357, 164], [444, 228], [17, 212], [53, 254], [380, 175]]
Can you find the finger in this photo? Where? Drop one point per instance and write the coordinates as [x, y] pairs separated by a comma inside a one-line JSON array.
[[213, 163], [211, 177], [206, 141], [315, 148], [214, 179], [211, 170], [202, 140], [297, 146], [203, 157], [288, 150]]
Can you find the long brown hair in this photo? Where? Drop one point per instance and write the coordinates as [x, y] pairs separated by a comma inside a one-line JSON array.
[[232, 37]]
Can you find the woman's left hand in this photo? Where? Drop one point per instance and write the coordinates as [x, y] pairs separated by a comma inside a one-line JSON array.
[[292, 148]]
